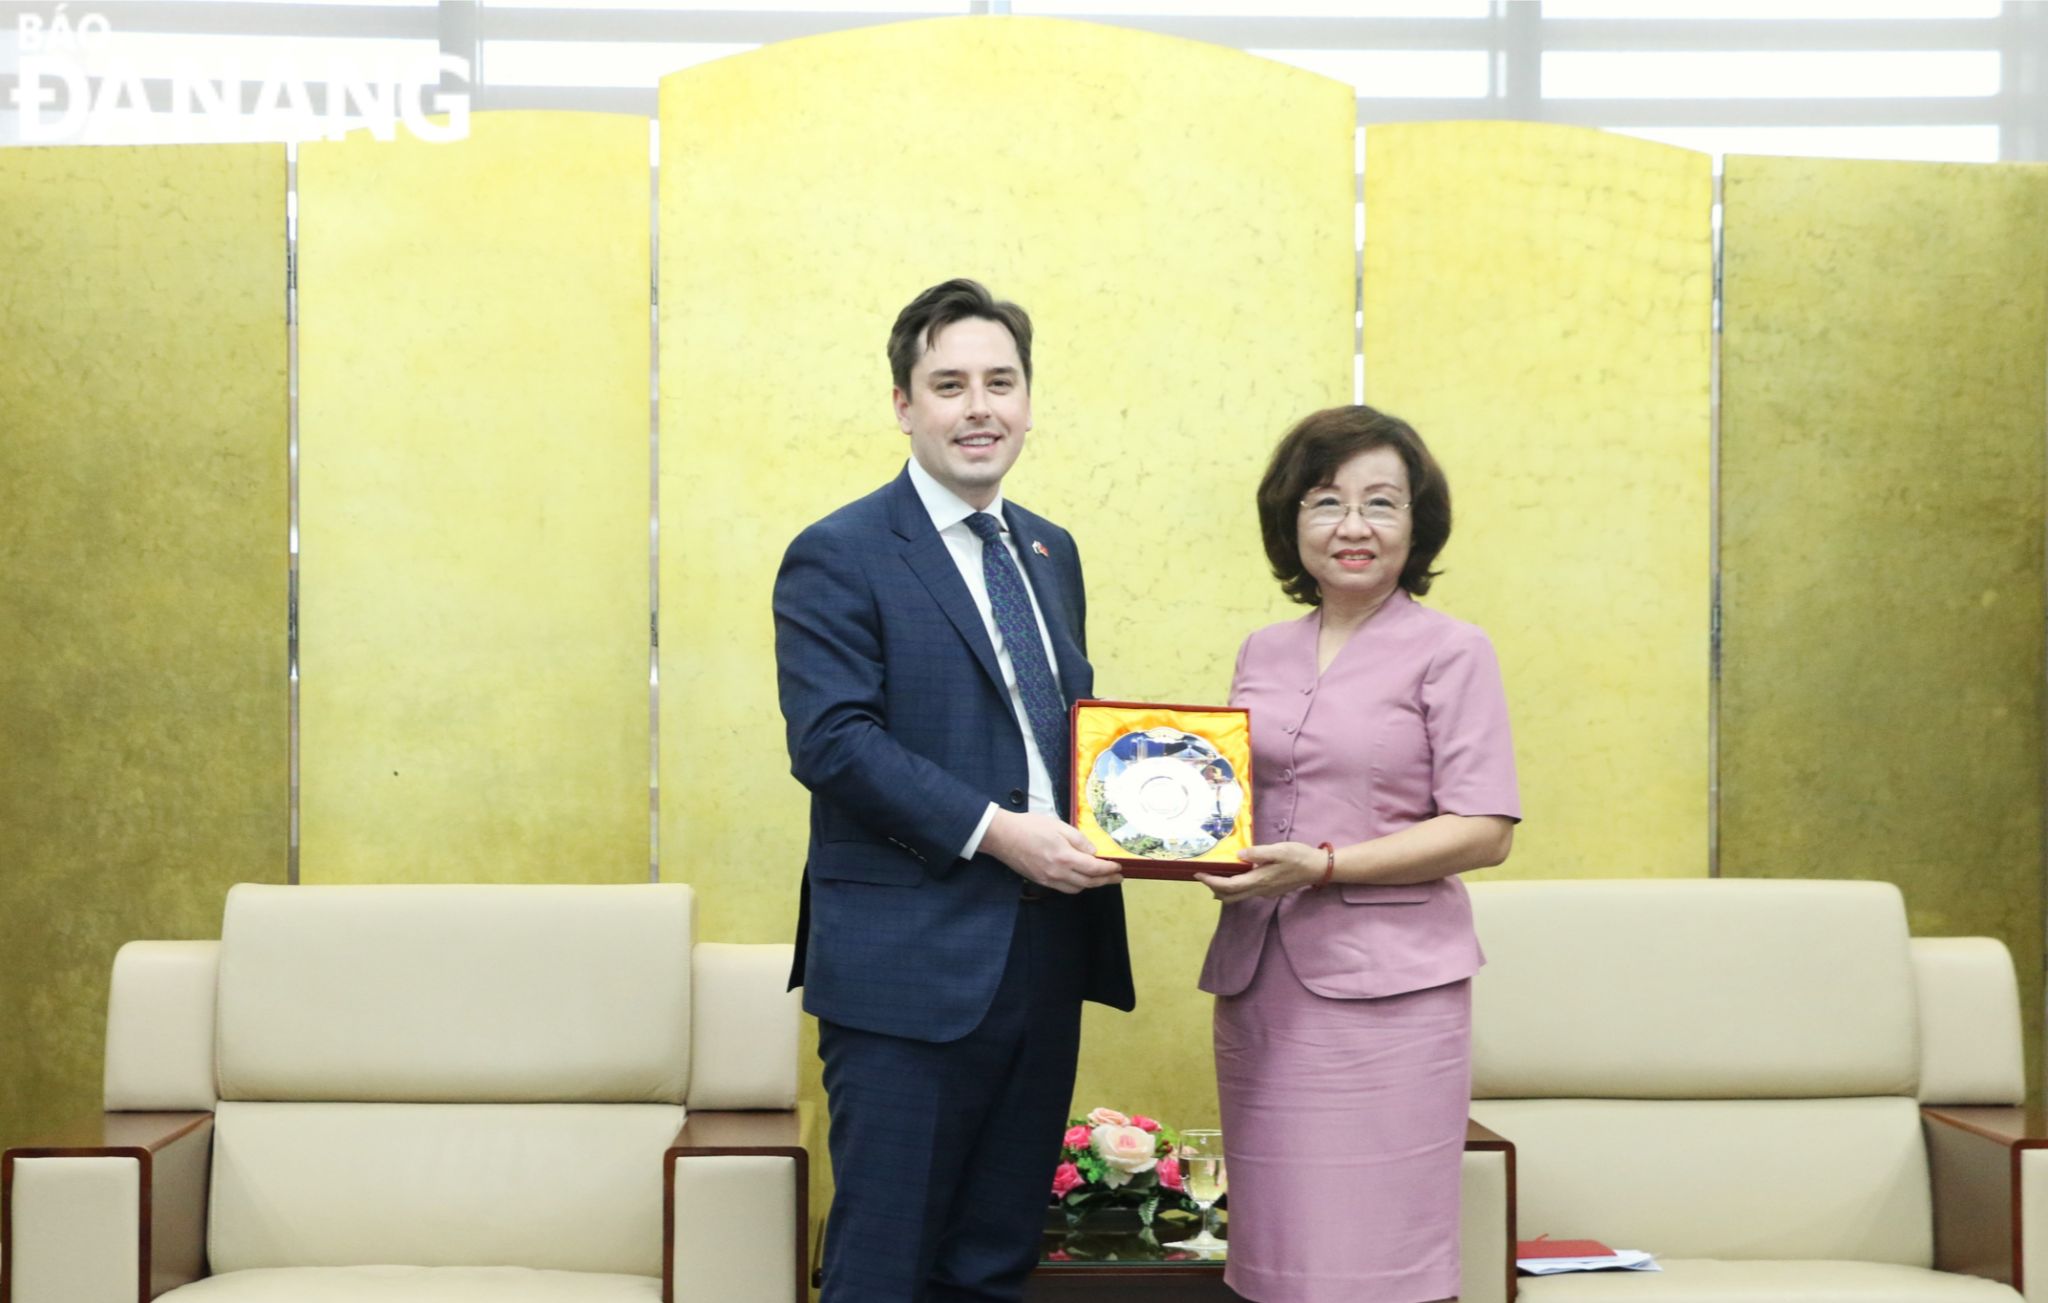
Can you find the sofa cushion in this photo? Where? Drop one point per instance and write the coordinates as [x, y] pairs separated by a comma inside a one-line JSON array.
[[744, 1032], [418, 1285], [1700, 989], [1745, 1179], [160, 1026], [1969, 1022], [1706, 1280], [570, 1187], [456, 993]]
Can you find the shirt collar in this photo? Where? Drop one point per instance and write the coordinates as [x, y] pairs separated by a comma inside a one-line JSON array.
[[1392, 611], [944, 506]]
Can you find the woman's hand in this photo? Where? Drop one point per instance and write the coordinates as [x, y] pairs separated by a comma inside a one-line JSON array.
[[1276, 869]]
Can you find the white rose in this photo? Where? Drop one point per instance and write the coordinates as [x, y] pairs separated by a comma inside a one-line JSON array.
[[1125, 1151]]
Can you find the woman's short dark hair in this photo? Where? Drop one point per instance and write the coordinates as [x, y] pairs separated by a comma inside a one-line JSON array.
[[921, 320], [1311, 454]]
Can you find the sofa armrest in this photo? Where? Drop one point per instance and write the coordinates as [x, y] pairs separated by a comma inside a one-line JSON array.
[[112, 1207], [736, 1209], [1487, 1235], [1969, 1004], [744, 1022], [1989, 1167], [160, 1027]]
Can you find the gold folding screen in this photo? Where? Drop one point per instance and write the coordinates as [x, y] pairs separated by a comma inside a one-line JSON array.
[[1177, 217], [474, 504], [1538, 303], [142, 576], [1883, 402]]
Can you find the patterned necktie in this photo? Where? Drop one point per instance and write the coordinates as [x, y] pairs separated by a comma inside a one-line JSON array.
[[1011, 604]]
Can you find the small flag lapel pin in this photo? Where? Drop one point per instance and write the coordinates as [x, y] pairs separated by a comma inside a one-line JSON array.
[[1039, 548]]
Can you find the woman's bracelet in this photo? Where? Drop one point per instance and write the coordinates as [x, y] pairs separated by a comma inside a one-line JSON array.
[[1329, 866]]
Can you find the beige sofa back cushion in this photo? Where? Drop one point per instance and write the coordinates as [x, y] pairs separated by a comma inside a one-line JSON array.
[[1745, 1179], [569, 1187], [1692, 989], [456, 993]]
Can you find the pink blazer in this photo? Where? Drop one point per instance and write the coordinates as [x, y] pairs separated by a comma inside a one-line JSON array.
[[1407, 723]]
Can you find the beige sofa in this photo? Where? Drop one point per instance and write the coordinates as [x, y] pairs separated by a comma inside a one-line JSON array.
[[1767, 1084], [429, 1094]]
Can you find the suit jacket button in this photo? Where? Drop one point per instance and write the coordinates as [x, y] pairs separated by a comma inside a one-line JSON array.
[[1017, 797]]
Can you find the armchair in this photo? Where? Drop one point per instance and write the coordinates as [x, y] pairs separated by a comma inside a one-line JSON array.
[[1768, 1084], [426, 1093]]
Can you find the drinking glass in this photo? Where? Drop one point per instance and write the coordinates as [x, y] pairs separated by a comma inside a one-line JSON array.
[[1201, 1166]]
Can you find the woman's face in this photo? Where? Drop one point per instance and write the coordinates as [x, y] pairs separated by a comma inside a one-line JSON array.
[[1356, 560]]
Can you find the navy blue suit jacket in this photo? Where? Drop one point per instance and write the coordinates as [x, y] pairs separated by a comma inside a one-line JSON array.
[[899, 724]]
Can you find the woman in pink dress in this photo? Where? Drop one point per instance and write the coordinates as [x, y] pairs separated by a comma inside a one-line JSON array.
[[1382, 768]]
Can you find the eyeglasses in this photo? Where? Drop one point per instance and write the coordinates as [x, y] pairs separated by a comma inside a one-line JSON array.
[[1327, 510]]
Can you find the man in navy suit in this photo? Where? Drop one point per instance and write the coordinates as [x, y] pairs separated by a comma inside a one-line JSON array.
[[929, 638]]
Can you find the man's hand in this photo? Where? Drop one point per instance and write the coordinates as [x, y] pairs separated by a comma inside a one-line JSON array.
[[1050, 853]]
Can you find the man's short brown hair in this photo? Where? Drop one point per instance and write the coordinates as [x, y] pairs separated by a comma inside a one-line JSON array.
[[918, 325]]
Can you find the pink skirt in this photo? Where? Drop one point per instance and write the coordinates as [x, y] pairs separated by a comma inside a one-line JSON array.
[[1344, 1135]]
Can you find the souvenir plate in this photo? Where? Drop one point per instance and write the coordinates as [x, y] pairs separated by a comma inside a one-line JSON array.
[[1163, 790]]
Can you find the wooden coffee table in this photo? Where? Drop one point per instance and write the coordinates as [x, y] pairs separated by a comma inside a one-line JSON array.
[[1118, 1262]]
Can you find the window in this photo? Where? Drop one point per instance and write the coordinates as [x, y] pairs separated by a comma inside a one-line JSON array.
[[1929, 79]]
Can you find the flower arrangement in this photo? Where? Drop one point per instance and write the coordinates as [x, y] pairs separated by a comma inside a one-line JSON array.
[[1111, 1159]]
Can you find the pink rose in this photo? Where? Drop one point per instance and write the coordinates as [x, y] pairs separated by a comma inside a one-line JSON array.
[[1065, 1177], [1169, 1173], [1143, 1123], [1107, 1117], [1076, 1138], [1125, 1152]]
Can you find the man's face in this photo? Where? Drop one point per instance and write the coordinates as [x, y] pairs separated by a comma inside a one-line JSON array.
[[968, 408]]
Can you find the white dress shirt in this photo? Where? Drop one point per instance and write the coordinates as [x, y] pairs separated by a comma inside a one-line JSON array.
[[949, 516]]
